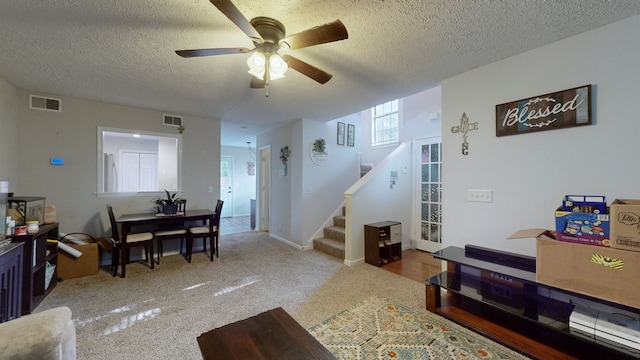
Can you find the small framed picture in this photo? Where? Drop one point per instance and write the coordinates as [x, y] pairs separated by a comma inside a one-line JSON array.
[[351, 133], [340, 133]]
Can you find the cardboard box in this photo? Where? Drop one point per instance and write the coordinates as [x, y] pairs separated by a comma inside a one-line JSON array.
[[70, 267], [625, 224], [582, 228], [585, 204], [601, 272]]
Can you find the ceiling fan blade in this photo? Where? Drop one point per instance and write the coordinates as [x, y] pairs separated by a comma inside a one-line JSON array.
[[307, 70], [210, 52], [231, 11], [322, 34], [256, 83]]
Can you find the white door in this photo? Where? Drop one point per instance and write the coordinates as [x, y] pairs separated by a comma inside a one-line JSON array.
[[427, 155], [226, 183], [139, 171], [148, 172], [264, 181]]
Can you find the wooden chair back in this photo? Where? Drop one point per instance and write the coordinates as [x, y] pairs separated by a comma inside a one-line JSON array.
[[115, 235]]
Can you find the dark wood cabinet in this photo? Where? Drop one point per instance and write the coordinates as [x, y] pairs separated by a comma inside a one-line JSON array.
[[382, 242], [11, 256], [39, 273]]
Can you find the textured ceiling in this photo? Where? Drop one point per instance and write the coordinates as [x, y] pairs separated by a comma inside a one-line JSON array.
[[122, 52]]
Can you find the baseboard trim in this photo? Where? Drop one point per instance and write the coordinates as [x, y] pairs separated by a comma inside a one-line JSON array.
[[354, 262], [297, 246]]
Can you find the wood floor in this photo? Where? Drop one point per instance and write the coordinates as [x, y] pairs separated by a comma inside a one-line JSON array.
[[420, 265], [416, 265]]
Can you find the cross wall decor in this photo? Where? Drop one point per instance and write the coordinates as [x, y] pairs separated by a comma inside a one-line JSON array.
[[464, 127]]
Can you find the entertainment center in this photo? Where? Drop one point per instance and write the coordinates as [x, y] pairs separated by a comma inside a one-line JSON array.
[[501, 287]]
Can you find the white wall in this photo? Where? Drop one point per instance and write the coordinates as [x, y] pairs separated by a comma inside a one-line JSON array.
[[530, 173], [419, 117], [280, 185], [373, 199], [9, 133], [72, 135], [302, 200], [244, 185], [323, 186]]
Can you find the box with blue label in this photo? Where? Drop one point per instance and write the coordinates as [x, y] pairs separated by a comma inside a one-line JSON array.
[[585, 204], [582, 227]]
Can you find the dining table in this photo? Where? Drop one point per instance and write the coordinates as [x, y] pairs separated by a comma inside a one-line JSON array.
[[151, 219]]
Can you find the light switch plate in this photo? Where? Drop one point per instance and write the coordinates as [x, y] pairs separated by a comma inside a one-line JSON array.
[[475, 195]]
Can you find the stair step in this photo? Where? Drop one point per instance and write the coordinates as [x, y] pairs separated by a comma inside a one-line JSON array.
[[334, 232], [339, 221], [329, 246]]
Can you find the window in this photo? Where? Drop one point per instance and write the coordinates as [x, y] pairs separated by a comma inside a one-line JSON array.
[[138, 161], [384, 124]]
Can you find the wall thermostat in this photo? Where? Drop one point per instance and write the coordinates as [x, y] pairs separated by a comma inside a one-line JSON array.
[[57, 161]]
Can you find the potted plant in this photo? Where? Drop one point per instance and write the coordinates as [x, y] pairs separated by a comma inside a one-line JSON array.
[[169, 205]]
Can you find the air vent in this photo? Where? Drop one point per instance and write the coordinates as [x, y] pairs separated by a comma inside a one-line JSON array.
[[172, 120], [45, 103]]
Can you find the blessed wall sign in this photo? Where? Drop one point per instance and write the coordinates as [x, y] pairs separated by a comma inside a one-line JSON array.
[[557, 110]]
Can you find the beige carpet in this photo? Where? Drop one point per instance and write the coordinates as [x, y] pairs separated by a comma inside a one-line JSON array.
[[157, 314]]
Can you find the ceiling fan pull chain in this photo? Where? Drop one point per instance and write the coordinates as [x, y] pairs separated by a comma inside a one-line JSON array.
[[267, 76]]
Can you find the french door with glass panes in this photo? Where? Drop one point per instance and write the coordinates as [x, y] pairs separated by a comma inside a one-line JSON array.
[[428, 154]]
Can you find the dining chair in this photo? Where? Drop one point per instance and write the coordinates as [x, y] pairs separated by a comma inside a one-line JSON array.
[[133, 240], [210, 231], [173, 230]]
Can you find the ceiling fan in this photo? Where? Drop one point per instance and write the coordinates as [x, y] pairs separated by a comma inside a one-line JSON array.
[[268, 36]]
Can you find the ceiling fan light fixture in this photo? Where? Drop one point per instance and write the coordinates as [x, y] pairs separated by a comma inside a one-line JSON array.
[[257, 62], [277, 66]]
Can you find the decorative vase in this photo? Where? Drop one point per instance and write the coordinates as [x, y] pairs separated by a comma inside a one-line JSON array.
[[170, 209]]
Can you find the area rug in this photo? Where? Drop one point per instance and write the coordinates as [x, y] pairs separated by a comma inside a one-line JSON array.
[[382, 329]]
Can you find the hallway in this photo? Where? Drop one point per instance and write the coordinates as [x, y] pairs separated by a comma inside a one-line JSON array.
[[235, 224]]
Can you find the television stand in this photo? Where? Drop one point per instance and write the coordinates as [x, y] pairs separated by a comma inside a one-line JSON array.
[[500, 299]]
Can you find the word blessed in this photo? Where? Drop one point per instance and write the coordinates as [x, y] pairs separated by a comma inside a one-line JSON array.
[[524, 115]]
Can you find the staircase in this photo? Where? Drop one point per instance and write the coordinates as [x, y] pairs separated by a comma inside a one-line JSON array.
[[333, 241]]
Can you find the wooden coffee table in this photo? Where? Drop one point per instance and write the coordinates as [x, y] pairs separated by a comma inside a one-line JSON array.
[[269, 335]]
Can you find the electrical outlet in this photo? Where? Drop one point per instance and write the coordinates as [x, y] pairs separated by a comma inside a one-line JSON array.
[[480, 195], [210, 189]]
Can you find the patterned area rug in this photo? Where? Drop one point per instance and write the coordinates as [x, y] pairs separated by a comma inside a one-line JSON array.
[[382, 329]]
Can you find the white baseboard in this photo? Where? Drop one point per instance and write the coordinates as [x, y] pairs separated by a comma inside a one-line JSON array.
[[297, 246], [354, 262]]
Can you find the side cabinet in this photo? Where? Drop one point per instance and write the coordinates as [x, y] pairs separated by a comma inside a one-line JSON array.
[[40, 274], [11, 281], [382, 242]]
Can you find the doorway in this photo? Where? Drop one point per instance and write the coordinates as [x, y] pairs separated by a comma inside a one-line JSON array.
[[264, 188], [226, 182], [427, 153]]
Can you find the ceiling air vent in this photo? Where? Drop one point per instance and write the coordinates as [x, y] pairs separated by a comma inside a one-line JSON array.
[[172, 120], [45, 103]]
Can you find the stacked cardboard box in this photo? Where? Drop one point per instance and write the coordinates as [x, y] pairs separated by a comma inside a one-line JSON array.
[[597, 271], [625, 224], [584, 220]]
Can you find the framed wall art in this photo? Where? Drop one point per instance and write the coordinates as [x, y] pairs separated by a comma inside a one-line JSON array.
[[562, 109], [340, 133], [351, 133]]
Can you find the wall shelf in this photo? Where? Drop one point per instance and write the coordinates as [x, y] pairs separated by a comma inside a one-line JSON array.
[[382, 242], [37, 253]]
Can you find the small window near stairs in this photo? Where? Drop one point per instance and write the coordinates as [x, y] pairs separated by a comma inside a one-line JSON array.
[[384, 124]]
